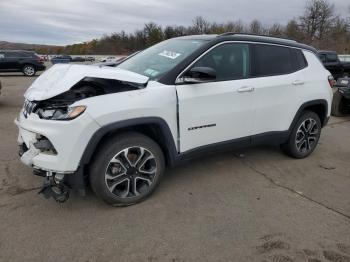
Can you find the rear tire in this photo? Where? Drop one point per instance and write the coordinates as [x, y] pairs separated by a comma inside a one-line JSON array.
[[126, 169], [29, 70], [304, 136]]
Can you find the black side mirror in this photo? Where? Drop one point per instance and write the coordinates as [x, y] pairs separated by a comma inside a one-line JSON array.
[[198, 75]]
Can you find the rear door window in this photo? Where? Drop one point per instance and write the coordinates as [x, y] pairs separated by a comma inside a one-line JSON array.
[[272, 60]]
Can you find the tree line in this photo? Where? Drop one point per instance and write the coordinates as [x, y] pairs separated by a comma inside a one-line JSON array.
[[319, 26]]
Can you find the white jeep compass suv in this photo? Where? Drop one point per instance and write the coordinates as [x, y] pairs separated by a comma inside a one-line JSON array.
[[119, 128]]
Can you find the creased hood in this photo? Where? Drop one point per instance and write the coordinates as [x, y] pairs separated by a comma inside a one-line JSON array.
[[62, 77]]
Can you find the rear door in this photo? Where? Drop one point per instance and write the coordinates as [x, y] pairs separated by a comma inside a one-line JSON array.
[[221, 110], [278, 83]]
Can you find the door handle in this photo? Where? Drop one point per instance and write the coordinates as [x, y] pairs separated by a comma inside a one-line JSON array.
[[298, 83], [246, 89]]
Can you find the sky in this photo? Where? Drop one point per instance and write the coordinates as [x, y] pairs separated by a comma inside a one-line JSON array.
[[63, 22]]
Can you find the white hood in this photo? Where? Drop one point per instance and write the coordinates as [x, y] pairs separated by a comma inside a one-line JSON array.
[[62, 77]]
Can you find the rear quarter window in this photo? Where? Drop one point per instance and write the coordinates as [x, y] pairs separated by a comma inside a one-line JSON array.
[[298, 59]]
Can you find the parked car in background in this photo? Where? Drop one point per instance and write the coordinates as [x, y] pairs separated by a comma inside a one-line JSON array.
[[62, 59], [44, 57], [90, 59], [109, 59], [0, 87], [78, 59], [115, 62], [27, 62], [341, 97], [121, 127], [333, 64]]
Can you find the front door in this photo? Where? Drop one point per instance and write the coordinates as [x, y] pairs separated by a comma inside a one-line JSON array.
[[220, 110]]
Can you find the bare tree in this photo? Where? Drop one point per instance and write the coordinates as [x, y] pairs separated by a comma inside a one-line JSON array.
[[236, 27], [276, 30], [200, 25], [256, 27], [319, 26], [317, 19], [153, 33], [294, 31]]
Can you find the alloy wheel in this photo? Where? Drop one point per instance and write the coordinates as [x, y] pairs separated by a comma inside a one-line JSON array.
[[131, 172], [307, 135], [29, 70]]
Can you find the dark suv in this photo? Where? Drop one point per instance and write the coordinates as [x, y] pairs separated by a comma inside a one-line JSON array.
[[332, 63], [26, 62]]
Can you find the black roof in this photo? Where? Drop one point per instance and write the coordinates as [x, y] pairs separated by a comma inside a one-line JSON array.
[[251, 38]]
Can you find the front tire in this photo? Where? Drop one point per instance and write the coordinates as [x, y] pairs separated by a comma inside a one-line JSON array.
[[29, 70], [127, 169], [304, 136]]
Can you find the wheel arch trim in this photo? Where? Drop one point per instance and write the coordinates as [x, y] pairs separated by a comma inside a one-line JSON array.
[[317, 102], [115, 126]]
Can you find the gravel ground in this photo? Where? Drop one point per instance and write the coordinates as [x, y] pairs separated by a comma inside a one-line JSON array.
[[252, 205]]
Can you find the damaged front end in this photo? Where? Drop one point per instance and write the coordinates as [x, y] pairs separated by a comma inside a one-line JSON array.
[[49, 140], [59, 107], [56, 185]]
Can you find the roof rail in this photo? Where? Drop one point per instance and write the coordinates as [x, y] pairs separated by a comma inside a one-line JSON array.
[[247, 34]]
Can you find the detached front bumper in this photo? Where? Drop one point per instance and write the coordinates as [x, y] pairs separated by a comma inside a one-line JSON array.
[[55, 147]]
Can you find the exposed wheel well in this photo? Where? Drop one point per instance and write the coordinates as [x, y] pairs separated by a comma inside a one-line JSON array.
[[153, 130], [320, 107], [320, 110]]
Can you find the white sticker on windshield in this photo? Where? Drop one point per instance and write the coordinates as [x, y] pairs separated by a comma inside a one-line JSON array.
[[169, 54], [151, 72]]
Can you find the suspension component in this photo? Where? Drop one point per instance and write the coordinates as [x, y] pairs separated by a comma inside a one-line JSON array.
[[54, 187]]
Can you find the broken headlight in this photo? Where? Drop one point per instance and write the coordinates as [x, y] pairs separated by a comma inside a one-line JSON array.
[[61, 113]]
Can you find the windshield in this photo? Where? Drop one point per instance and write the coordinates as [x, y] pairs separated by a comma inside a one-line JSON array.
[[159, 59]]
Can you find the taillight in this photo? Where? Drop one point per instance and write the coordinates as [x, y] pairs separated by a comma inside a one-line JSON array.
[[331, 81]]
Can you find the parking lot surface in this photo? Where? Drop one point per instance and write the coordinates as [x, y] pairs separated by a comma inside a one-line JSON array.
[[253, 205]]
